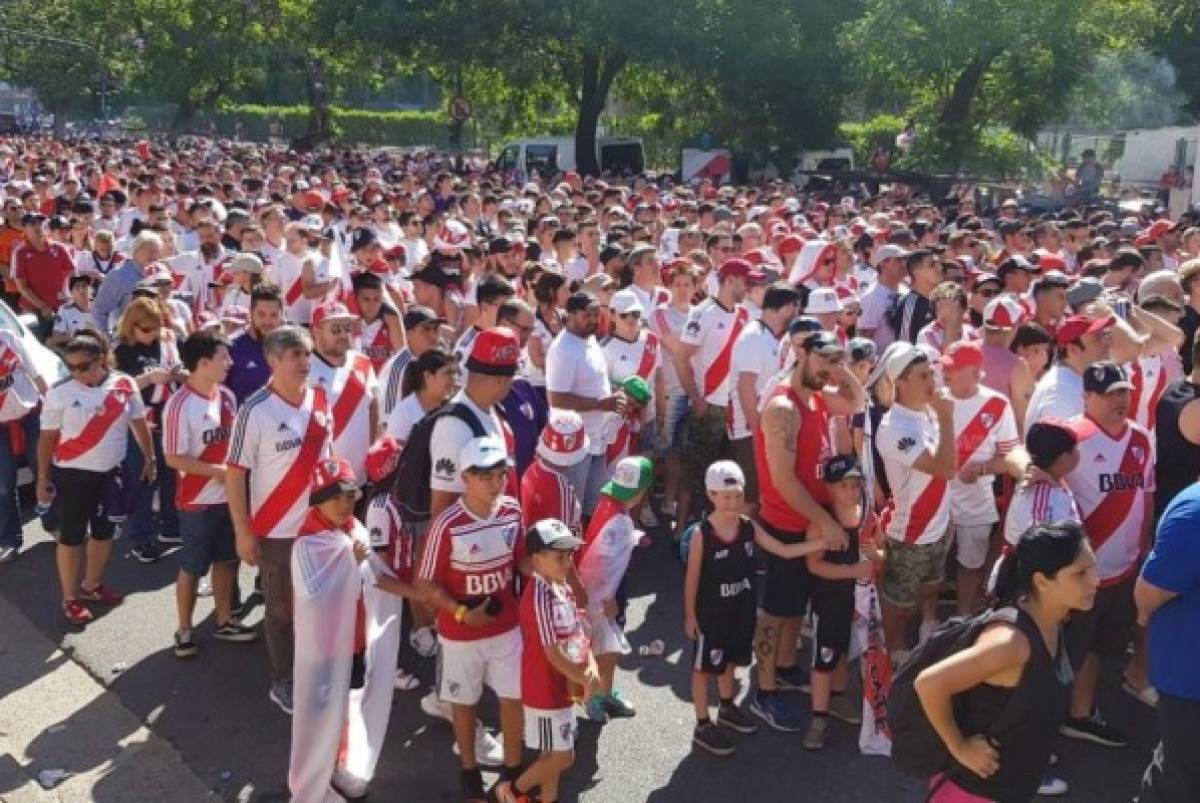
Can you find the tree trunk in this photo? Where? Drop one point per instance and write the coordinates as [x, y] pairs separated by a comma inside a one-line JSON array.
[[320, 127], [954, 124], [597, 73]]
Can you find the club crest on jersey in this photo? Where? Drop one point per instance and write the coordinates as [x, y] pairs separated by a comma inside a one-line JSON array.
[[1139, 454], [715, 656], [987, 419], [510, 535], [749, 547]]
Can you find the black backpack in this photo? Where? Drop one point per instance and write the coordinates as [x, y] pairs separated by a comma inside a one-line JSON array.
[[916, 747], [411, 488]]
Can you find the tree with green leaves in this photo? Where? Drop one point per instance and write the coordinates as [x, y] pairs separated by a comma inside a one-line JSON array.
[[1178, 39], [963, 65]]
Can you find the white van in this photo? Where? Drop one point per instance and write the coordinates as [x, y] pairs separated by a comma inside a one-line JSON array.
[[550, 155]]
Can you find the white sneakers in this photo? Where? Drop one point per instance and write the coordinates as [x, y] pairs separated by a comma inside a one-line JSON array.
[[488, 750]]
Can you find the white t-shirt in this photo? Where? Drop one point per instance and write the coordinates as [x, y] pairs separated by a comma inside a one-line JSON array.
[[92, 422], [876, 303], [984, 426], [577, 366], [714, 329], [541, 333], [919, 510], [404, 416], [350, 389], [288, 269], [198, 426], [18, 394], [1058, 394], [391, 378], [447, 439], [1038, 503], [69, 319], [269, 437], [667, 320], [756, 352]]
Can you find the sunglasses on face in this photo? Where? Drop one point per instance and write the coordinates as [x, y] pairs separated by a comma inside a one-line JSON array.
[[341, 328], [82, 367], [628, 315]]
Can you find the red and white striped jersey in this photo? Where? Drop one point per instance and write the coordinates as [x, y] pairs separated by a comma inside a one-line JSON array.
[[18, 394], [473, 558], [549, 616], [607, 549], [350, 389], [919, 510], [984, 426], [714, 329], [375, 342], [546, 494], [1150, 376], [168, 345], [388, 535], [289, 269], [92, 422], [933, 335], [1039, 503], [1111, 485], [199, 426], [643, 357], [279, 444]]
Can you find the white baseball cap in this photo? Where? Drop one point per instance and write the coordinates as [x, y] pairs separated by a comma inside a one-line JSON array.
[[889, 251], [1003, 312], [902, 357], [724, 475], [823, 300], [483, 453], [626, 301]]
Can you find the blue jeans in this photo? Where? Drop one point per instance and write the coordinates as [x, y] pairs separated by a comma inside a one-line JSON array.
[[10, 505], [141, 526]]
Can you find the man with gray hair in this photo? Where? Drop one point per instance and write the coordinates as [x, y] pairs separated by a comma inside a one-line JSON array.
[[116, 290], [282, 431]]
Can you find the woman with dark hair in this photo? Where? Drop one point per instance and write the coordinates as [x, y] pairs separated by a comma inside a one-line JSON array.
[[998, 753], [1031, 343], [428, 382], [86, 423]]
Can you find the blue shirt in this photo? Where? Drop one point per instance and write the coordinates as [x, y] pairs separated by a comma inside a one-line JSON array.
[[115, 292], [250, 370], [1174, 629]]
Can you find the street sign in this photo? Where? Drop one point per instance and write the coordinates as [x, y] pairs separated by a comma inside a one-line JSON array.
[[460, 109]]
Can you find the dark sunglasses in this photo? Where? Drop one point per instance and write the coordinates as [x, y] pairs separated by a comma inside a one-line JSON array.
[[82, 367], [988, 293]]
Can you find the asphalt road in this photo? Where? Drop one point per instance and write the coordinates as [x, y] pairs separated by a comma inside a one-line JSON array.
[[214, 709]]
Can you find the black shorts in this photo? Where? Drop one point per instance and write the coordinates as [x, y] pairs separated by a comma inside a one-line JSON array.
[[1107, 628], [833, 612], [78, 497], [787, 584], [722, 646]]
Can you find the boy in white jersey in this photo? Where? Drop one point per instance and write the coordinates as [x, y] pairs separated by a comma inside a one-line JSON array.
[[76, 314], [197, 421], [1053, 449]]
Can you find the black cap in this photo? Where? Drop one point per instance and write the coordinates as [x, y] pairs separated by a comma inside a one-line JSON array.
[[437, 275], [415, 315], [59, 223], [550, 534], [33, 219], [1013, 263], [362, 239], [500, 245], [862, 348], [1010, 227], [1104, 377], [804, 323], [823, 343], [581, 301], [1047, 440], [839, 467]]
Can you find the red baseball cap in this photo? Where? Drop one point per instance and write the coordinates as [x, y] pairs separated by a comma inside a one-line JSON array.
[[791, 244], [1076, 326], [1048, 262], [331, 311], [734, 268], [1157, 229], [330, 478], [494, 352], [962, 354]]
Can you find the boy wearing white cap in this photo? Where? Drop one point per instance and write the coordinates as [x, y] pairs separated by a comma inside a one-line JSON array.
[[720, 603], [611, 537], [466, 574]]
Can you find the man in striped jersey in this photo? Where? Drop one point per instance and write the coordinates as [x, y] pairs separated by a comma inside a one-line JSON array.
[[197, 421], [422, 328], [281, 432]]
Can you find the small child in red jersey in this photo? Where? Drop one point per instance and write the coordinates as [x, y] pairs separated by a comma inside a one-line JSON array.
[[557, 666]]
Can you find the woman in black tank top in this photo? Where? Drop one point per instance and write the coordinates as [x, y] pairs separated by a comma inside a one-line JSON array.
[[997, 705], [1178, 459]]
